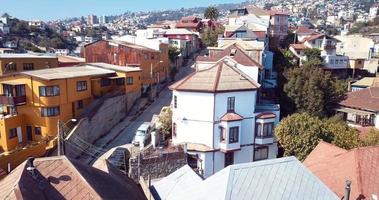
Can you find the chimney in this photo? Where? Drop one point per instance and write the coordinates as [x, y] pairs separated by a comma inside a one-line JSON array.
[[30, 167], [185, 148], [347, 190]]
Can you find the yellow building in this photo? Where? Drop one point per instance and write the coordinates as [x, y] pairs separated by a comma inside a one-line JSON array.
[[34, 101]]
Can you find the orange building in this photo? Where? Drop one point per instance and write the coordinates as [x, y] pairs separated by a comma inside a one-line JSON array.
[[33, 101], [154, 63]]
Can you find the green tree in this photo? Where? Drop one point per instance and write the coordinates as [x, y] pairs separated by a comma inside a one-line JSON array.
[[342, 135], [173, 53], [314, 58], [300, 133], [211, 13], [313, 90], [165, 121], [210, 37], [372, 138]]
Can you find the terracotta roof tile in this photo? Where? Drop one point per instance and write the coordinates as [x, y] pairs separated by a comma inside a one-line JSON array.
[[298, 46], [231, 117], [61, 178], [266, 115], [239, 55], [304, 30], [220, 78], [366, 99], [334, 166]]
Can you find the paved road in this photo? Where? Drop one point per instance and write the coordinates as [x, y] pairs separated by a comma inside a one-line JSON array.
[[123, 132]]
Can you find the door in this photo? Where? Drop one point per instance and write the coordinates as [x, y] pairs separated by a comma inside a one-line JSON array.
[[29, 133], [229, 158], [19, 134]]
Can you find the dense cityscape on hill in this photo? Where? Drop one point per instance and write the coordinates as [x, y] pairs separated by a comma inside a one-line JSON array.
[[262, 99]]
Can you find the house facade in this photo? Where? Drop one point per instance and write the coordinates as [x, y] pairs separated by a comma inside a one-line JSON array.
[[227, 127], [361, 108], [154, 63], [32, 102]]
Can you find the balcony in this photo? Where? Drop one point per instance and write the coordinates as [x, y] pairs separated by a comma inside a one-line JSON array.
[[330, 46], [264, 139], [9, 100]]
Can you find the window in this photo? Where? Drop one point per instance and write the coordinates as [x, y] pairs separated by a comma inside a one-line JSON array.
[[37, 131], [48, 91], [233, 134], [20, 90], [230, 106], [50, 111], [8, 90], [267, 130], [12, 133], [11, 67], [81, 86], [79, 104], [222, 134], [129, 80], [175, 101], [105, 82], [192, 160], [120, 81], [260, 153], [28, 66], [229, 159], [359, 62], [174, 129]]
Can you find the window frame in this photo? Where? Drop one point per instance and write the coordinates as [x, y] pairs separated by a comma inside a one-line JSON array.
[[12, 134], [233, 136], [49, 91], [28, 66], [37, 130], [260, 148], [260, 130], [129, 80], [79, 105], [105, 82], [174, 129], [222, 131], [50, 111], [231, 102], [175, 101], [81, 86], [119, 82]]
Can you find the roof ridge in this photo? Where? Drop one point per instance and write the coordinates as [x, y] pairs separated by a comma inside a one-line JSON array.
[[217, 79], [358, 170]]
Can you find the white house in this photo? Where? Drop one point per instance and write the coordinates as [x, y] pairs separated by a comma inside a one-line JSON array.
[[327, 45], [216, 116], [373, 13]]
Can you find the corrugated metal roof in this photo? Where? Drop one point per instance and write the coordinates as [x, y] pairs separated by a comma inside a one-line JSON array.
[[283, 178]]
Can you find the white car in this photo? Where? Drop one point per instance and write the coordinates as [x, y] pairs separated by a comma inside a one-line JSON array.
[[142, 134]]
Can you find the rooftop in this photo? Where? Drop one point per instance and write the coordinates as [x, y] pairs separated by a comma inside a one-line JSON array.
[[26, 55], [70, 59], [68, 72], [366, 99], [222, 77], [367, 82], [334, 166], [115, 67], [283, 178], [61, 178]]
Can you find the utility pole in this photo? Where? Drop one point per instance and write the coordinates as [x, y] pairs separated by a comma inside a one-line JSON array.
[[59, 137]]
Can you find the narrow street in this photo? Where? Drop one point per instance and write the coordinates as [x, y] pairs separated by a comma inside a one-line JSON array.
[[123, 132]]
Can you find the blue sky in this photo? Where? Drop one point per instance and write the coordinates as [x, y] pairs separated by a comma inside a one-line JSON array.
[[58, 9]]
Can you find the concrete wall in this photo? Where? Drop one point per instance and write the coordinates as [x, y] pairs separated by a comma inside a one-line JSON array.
[[157, 166], [98, 121]]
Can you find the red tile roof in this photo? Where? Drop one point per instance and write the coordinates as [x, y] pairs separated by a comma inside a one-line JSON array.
[[222, 77], [298, 46], [60, 178], [231, 117], [366, 99], [187, 25], [266, 115], [334, 166], [317, 36], [260, 34], [304, 30], [239, 55], [278, 12]]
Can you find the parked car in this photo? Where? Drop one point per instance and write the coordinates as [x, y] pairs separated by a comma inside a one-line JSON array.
[[143, 134]]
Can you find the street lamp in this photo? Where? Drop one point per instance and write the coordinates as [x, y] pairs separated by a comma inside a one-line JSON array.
[[154, 76], [61, 142]]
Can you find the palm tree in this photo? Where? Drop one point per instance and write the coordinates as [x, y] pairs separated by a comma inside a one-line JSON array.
[[211, 13]]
